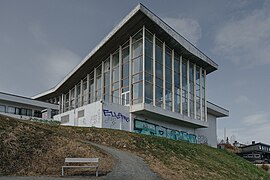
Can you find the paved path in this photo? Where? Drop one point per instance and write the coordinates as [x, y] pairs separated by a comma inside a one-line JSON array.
[[128, 166]]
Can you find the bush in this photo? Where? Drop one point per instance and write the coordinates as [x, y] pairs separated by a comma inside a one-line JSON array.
[[265, 167]]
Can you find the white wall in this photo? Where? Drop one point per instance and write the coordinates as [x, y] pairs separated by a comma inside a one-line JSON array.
[[208, 134], [92, 116], [115, 116]]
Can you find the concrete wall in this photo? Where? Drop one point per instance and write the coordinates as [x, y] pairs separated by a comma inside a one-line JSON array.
[[85, 116], [208, 135], [115, 116]]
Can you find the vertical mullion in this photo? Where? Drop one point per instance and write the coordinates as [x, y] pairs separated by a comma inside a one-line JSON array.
[[87, 88], [111, 81], [81, 94], [154, 70], [63, 101], [143, 70], [181, 86], [188, 89], [173, 80], [120, 76], [95, 82], [130, 72], [102, 80], [194, 91], [201, 92], [164, 82], [205, 102], [69, 99]]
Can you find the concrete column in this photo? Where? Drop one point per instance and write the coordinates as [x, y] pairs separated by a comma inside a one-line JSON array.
[[69, 99]]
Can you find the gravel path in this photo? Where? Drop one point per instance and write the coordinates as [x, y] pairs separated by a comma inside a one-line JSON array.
[[128, 166]]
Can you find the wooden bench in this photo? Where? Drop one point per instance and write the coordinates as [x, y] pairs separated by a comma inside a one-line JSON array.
[[82, 160]]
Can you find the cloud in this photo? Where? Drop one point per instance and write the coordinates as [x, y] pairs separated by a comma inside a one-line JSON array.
[[241, 99], [59, 61], [256, 119], [187, 27], [246, 40]]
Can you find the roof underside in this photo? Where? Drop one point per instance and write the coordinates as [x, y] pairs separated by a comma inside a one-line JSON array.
[[138, 18]]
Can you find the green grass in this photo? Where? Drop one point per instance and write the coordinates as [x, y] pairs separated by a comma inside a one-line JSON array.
[[170, 159]]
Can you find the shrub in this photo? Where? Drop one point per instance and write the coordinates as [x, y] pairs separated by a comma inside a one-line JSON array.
[[265, 167]]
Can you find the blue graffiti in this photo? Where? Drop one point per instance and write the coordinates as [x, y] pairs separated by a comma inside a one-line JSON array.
[[118, 115], [143, 127]]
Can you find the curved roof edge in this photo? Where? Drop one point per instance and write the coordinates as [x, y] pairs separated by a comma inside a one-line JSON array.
[[180, 39]]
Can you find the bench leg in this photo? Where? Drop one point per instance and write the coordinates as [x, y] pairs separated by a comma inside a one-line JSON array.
[[62, 171], [97, 171]]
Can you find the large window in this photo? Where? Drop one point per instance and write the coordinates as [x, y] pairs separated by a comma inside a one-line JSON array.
[[66, 105], [148, 67], [177, 90], [168, 79], [106, 91], [159, 73], [91, 87], [191, 90], [98, 82], [125, 92], [84, 93], [115, 77], [184, 88], [203, 95], [72, 98], [137, 67], [198, 93], [2, 108]]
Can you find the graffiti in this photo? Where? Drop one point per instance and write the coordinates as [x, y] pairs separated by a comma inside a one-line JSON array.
[[108, 113], [143, 127], [202, 139]]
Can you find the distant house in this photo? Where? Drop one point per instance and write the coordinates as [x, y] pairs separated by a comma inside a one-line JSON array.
[[256, 152]]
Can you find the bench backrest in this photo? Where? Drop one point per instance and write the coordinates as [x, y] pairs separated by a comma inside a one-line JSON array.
[[81, 160]]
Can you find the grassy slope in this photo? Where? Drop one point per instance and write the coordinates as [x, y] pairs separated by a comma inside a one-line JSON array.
[[37, 149], [170, 159]]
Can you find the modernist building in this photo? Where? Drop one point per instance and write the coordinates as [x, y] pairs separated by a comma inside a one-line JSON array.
[[142, 77], [256, 152], [26, 108]]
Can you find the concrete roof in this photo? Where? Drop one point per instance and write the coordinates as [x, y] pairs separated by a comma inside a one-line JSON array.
[[27, 101], [216, 110], [138, 17]]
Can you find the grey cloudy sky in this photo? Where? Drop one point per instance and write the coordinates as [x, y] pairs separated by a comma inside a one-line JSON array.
[[41, 41]]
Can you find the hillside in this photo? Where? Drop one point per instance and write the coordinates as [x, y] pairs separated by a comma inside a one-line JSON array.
[[24, 142]]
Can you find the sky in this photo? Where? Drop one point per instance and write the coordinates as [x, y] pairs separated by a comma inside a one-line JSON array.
[[41, 41]]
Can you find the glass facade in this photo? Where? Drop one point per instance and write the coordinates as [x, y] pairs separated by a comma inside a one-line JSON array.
[[144, 70]]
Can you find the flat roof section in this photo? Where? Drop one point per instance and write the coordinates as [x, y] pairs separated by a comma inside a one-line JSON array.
[[26, 101], [138, 17], [216, 110]]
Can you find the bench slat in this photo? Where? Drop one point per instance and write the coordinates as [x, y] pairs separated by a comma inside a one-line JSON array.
[[78, 160]]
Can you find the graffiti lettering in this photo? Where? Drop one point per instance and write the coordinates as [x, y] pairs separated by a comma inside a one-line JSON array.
[[143, 127], [108, 113]]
